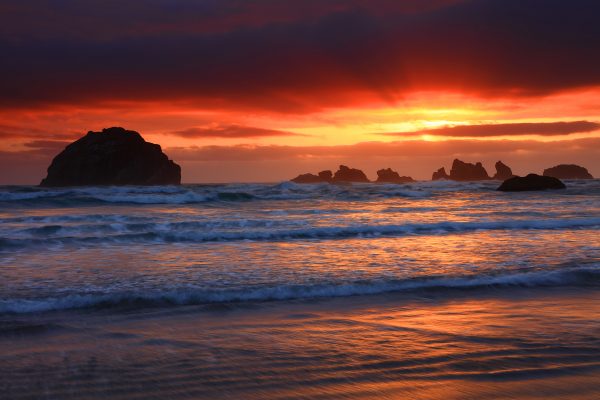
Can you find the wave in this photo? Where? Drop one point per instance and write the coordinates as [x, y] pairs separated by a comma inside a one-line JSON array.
[[193, 194], [201, 193], [577, 276], [264, 230]]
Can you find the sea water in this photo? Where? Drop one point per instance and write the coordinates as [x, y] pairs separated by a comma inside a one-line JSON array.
[[98, 275]]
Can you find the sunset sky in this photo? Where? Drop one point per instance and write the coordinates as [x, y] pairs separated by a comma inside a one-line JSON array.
[[264, 90]]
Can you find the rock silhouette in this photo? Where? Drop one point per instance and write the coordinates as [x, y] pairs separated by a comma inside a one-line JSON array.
[[568, 171], [115, 156], [323, 177], [440, 174], [390, 176], [462, 171], [345, 174], [530, 182], [326, 176], [307, 178], [503, 171]]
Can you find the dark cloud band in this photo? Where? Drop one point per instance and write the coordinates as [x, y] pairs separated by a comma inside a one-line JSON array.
[[330, 57]]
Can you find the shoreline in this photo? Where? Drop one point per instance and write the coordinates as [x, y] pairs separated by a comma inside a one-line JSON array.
[[523, 342]]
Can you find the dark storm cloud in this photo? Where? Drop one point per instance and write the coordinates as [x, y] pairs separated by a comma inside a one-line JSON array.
[[330, 56], [516, 129], [231, 131]]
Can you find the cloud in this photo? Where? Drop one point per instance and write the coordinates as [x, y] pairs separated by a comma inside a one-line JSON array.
[[46, 147], [8, 131], [404, 149], [332, 56], [510, 129], [231, 131]]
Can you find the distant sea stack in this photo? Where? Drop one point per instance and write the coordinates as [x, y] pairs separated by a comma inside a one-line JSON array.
[[388, 175], [503, 171], [530, 182], [115, 156], [462, 171], [322, 177], [440, 174], [343, 175], [346, 174], [568, 171]]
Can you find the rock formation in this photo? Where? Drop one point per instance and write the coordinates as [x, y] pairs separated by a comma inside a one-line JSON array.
[[326, 176], [530, 182], [323, 177], [390, 176], [114, 156], [307, 178], [568, 171], [345, 174], [440, 174], [462, 171], [503, 172]]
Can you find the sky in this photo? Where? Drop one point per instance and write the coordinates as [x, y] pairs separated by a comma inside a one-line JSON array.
[[265, 90]]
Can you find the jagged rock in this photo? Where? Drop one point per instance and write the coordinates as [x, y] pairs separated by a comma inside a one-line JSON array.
[[326, 176], [307, 178], [115, 156], [503, 171], [345, 174], [530, 182], [390, 176], [462, 171], [568, 171], [440, 174]]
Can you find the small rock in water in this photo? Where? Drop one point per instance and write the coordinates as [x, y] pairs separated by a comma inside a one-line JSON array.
[[530, 182]]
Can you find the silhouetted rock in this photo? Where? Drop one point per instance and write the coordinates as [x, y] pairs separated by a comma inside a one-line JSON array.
[[462, 171], [503, 171], [114, 156], [531, 182], [345, 174], [568, 171], [440, 174], [390, 176], [307, 178], [326, 176]]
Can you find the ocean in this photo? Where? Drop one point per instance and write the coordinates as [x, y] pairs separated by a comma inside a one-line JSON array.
[[287, 291]]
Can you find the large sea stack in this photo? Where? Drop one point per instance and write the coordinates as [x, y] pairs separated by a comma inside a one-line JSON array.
[[568, 171], [114, 156]]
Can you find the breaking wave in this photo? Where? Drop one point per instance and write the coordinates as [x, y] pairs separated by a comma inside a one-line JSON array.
[[577, 276]]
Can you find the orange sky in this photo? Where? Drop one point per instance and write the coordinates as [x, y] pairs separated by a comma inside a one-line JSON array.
[[265, 92]]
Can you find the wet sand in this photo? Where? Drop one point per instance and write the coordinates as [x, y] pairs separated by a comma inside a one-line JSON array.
[[497, 343]]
